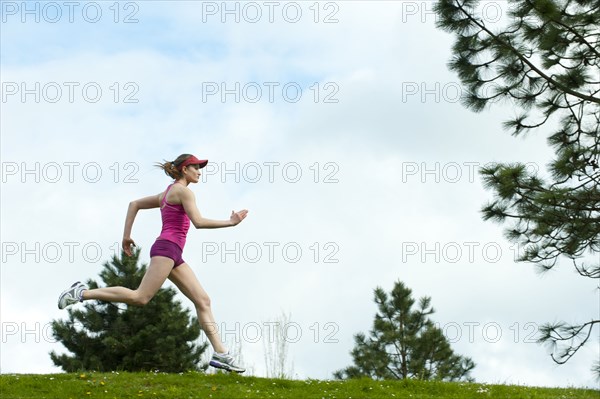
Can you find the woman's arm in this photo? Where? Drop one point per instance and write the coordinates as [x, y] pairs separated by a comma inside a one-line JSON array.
[[142, 203], [188, 200]]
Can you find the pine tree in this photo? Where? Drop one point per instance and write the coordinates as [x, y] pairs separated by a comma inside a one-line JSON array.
[[545, 61], [106, 337], [405, 343]]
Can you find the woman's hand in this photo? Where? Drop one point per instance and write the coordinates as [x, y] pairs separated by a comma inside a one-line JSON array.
[[127, 243], [237, 217]]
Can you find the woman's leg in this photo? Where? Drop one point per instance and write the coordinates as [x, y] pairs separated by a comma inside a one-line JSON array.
[[185, 279], [155, 276]]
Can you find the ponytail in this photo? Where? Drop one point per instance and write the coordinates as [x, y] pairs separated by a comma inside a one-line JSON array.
[[171, 169]]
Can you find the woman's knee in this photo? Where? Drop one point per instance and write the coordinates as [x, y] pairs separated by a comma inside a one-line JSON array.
[[202, 302], [139, 298]]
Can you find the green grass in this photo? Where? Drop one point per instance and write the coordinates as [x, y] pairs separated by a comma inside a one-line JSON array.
[[199, 385]]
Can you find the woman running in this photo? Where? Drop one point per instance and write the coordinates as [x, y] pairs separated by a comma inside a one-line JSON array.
[[177, 207]]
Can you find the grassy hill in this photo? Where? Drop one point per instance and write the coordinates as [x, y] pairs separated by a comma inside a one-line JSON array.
[[199, 385]]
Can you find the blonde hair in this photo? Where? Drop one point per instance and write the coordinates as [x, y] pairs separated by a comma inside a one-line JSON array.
[[171, 169]]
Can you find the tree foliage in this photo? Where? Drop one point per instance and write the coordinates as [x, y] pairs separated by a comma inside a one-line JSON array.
[[545, 61], [404, 343], [105, 337]]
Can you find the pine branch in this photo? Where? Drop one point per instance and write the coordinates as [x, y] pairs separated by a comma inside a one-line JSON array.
[[523, 59]]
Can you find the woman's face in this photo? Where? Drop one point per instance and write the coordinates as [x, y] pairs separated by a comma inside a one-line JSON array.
[[192, 173]]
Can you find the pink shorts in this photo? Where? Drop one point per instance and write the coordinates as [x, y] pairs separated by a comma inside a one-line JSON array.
[[167, 249]]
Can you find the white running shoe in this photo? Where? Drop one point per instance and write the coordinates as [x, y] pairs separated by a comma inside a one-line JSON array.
[[72, 295], [225, 362]]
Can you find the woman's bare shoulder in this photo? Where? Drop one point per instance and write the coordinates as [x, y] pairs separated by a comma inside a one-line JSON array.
[[177, 193]]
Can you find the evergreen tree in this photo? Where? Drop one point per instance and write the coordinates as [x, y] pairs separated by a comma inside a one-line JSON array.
[[405, 343], [105, 337], [545, 61]]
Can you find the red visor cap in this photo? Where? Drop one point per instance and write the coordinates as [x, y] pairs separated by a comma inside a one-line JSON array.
[[193, 161]]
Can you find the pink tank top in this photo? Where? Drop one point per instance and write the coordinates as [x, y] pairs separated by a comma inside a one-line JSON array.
[[175, 222]]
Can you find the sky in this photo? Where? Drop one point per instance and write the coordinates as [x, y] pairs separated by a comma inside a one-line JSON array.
[[336, 124]]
